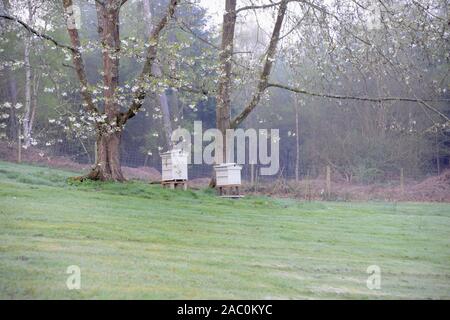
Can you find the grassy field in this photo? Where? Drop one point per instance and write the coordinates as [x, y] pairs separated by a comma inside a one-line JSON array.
[[136, 240]]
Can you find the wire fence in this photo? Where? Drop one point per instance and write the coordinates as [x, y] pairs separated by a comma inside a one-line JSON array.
[[313, 183], [80, 155]]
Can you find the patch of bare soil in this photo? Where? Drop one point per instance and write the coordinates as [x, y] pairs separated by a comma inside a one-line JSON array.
[[142, 173], [199, 183], [435, 188]]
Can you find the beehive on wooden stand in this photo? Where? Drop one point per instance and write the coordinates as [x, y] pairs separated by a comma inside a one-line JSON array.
[[174, 168], [228, 179]]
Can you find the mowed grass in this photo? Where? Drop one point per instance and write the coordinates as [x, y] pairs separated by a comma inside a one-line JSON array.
[[136, 240]]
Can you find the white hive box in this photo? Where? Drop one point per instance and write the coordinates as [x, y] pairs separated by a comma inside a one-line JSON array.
[[174, 165], [228, 174]]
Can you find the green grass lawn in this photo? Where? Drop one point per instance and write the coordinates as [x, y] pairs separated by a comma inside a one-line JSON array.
[[136, 240]]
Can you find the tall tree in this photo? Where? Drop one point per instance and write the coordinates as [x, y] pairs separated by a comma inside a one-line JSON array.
[[223, 107], [11, 85], [225, 78], [27, 124], [109, 132]]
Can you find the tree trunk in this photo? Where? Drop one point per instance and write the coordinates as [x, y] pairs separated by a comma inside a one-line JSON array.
[[19, 146], [107, 165], [223, 107], [12, 90], [28, 80], [12, 86], [297, 142], [109, 134], [438, 160], [34, 102]]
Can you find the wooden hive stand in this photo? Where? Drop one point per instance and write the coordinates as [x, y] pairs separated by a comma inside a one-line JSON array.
[[173, 184], [229, 191]]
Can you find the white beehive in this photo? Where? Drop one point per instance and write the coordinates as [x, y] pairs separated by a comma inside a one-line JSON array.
[[174, 165], [228, 174]]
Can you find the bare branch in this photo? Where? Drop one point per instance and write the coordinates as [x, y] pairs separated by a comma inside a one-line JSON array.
[[79, 64], [37, 33], [369, 99], [184, 27], [146, 73], [267, 68], [254, 7], [100, 2], [426, 10]]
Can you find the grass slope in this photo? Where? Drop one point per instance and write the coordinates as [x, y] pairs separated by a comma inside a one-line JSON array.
[[135, 240]]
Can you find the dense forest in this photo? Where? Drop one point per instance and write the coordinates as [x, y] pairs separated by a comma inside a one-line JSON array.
[[361, 86]]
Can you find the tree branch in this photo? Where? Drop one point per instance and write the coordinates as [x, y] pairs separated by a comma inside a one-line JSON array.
[[78, 62], [270, 58], [37, 33], [100, 2], [146, 73], [369, 99], [254, 7], [76, 54], [184, 27]]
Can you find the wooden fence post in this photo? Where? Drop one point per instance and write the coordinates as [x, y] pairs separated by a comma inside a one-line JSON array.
[[328, 182], [307, 188], [402, 181], [252, 174], [19, 145], [255, 188]]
